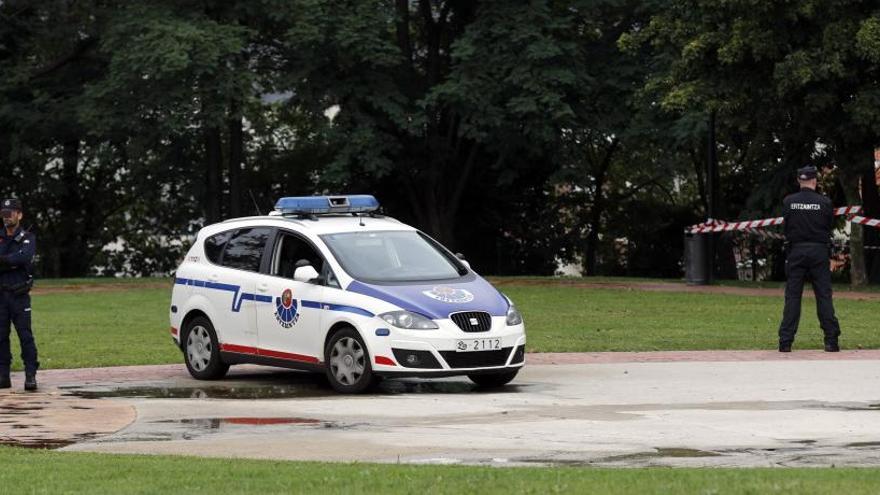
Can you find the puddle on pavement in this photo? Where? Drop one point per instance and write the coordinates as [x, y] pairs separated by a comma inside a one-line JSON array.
[[194, 428], [426, 386], [216, 423], [869, 407], [659, 453], [12, 408], [863, 444], [293, 391], [211, 392], [36, 442]]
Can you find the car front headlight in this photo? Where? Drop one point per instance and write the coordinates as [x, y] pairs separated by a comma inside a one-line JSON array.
[[513, 316], [408, 320]]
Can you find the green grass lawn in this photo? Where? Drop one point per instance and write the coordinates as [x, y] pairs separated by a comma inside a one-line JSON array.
[[563, 319], [102, 328], [130, 325], [32, 471]]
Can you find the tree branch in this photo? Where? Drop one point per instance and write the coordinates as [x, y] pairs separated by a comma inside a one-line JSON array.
[[81, 48]]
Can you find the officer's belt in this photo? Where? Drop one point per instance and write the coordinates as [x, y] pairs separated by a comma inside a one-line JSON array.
[[14, 287]]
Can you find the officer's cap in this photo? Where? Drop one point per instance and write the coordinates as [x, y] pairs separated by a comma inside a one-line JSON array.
[[806, 173], [11, 204]]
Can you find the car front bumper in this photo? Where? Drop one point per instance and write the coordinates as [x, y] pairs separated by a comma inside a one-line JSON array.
[[434, 352]]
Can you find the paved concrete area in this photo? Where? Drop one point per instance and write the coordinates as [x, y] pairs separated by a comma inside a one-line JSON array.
[[649, 410]]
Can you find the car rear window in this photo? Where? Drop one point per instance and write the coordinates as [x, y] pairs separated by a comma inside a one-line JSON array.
[[214, 245], [245, 249]]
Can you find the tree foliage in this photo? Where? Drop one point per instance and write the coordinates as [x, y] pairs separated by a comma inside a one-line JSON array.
[[523, 134]]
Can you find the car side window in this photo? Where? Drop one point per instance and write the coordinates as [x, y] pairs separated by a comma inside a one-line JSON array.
[[245, 249], [291, 249], [214, 245]]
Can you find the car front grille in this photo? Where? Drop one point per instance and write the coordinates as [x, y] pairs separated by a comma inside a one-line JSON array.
[[472, 321], [479, 359]]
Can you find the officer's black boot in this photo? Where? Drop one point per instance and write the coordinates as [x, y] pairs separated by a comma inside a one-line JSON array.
[[30, 381], [5, 382], [832, 346], [784, 347]]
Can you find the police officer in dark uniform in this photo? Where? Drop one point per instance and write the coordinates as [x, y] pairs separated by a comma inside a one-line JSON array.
[[809, 217], [17, 249]]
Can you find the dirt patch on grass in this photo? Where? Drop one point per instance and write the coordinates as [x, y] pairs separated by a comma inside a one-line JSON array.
[[109, 287]]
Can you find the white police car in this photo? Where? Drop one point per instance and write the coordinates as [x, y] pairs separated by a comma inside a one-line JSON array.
[[325, 284]]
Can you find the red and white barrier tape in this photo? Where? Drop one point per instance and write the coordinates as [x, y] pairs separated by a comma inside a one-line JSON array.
[[847, 210], [721, 226], [870, 222]]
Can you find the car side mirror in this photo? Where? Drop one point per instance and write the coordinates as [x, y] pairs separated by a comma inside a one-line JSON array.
[[305, 273], [463, 261]]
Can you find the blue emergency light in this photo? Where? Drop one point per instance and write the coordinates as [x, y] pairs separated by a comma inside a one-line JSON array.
[[315, 205]]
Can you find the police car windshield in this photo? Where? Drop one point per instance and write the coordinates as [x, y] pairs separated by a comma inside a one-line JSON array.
[[393, 256]]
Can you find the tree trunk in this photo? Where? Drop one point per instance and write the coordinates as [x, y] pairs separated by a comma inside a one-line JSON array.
[[592, 245], [212, 174], [849, 180], [71, 259], [402, 28], [597, 210], [870, 208], [236, 159], [440, 224]]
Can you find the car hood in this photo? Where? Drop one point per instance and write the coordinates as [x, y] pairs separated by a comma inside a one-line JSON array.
[[438, 300]]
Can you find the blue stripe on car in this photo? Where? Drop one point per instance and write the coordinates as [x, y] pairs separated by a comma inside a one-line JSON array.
[[336, 307], [238, 298]]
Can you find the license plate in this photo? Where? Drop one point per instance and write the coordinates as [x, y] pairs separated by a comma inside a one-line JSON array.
[[475, 345]]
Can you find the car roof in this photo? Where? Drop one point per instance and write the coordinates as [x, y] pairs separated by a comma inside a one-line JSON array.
[[317, 224]]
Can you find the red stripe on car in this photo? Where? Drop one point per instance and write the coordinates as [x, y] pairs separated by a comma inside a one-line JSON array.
[[255, 351]]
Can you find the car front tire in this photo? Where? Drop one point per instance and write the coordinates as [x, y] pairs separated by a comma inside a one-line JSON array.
[[349, 369], [201, 350]]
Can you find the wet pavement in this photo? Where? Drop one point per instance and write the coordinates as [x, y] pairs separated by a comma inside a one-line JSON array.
[[50, 419], [736, 413]]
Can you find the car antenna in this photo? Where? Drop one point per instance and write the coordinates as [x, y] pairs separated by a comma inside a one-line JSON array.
[[256, 206]]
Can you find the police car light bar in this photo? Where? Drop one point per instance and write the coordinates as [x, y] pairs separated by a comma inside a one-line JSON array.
[[311, 205]]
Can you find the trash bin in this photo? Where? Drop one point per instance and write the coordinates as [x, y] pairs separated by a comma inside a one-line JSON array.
[[696, 266]]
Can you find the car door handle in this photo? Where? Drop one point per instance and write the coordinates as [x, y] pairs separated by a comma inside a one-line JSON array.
[[263, 287], [213, 278]]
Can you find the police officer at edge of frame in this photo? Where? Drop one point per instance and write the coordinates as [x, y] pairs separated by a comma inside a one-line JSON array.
[[809, 217], [17, 249]]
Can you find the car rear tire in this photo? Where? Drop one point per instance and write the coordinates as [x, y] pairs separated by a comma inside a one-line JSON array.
[[349, 369], [493, 380], [201, 351]]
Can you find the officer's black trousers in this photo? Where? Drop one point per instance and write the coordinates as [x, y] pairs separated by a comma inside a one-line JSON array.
[[808, 260], [16, 310]]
